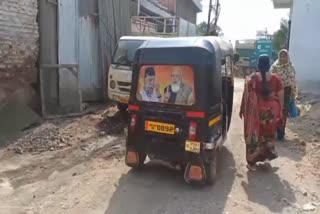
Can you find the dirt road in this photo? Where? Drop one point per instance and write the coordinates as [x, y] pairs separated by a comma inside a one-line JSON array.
[[90, 177]]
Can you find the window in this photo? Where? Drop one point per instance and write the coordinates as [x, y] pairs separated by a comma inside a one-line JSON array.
[[125, 51], [169, 84]]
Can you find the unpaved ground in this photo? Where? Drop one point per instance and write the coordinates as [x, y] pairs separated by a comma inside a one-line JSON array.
[[89, 176]]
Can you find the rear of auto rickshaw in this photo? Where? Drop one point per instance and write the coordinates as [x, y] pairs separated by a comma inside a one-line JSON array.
[[179, 107]]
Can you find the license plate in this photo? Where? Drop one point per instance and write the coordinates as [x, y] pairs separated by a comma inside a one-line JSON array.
[[192, 146], [163, 128]]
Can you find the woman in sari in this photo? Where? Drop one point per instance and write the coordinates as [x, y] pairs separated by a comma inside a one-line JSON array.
[[286, 71], [261, 106]]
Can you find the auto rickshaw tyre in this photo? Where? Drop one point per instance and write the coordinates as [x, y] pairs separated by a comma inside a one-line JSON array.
[[229, 116], [142, 158], [211, 169], [230, 104], [122, 107], [182, 168], [225, 121]]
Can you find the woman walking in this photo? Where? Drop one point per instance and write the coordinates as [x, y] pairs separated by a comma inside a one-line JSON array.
[[261, 106], [286, 71]]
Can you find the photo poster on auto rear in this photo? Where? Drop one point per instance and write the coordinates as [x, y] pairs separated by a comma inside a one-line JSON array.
[[171, 84]]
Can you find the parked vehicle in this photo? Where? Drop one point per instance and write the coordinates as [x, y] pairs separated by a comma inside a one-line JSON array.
[[249, 51], [120, 70], [180, 103], [246, 50]]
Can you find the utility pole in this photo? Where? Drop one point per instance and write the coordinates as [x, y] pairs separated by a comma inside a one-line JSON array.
[[216, 17], [213, 22], [209, 17]]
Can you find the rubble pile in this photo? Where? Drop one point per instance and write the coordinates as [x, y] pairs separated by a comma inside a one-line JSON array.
[[113, 122], [307, 126], [47, 137], [114, 125]]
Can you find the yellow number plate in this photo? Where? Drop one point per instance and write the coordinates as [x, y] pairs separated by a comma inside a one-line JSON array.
[[163, 128], [192, 146]]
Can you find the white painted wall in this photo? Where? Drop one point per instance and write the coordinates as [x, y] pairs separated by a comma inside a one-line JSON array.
[[305, 43]]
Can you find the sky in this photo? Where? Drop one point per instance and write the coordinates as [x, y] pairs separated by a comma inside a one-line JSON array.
[[240, 19]]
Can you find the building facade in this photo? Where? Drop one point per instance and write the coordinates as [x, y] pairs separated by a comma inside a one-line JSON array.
[[303, 41], [186, 9], [18, 50], [165, 17]]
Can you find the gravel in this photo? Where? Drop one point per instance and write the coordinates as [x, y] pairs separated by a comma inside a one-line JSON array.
[[47, 137]]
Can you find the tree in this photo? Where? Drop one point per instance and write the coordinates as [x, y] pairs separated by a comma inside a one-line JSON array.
[[280, 37], [202, 29]]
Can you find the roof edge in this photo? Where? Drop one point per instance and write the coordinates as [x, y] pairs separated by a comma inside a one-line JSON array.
[[198, 4], [282, 4]]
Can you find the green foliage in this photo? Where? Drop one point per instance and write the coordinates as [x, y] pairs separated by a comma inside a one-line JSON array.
[[280, 36], [202, 29]]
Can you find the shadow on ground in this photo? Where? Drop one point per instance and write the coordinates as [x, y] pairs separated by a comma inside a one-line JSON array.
[[158, 189], [266, 188], [291, 149]]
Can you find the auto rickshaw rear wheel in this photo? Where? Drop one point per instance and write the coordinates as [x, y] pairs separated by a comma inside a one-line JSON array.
[[211, 168], [142, 159], [182, 168]]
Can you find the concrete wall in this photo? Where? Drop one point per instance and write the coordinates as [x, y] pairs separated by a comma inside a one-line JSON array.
[[18, 49], [304, 43], [133, 8], [186, 28], [114, 22], [187, 10], [49, 54]]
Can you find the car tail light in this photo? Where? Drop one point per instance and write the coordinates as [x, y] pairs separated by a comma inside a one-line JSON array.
[[192, 130], [133, 121]]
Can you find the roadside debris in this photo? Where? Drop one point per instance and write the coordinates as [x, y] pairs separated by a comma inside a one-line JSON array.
[[308, 138], [47, 137], [113, 123], [308, 207]]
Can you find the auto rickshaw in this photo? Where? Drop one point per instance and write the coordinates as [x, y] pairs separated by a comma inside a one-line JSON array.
[[180, 104]]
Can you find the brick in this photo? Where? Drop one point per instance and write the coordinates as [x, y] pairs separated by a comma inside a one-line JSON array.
[[19, 46]]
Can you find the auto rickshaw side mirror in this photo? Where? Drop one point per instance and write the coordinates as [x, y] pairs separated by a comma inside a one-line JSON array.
[[236, 57]]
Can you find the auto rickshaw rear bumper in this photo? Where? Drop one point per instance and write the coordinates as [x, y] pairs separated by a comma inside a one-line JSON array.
[[195, 164]]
